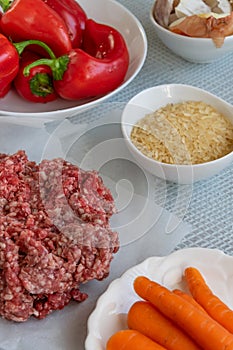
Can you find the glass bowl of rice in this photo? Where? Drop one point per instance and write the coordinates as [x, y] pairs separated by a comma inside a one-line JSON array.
[[178, 132]]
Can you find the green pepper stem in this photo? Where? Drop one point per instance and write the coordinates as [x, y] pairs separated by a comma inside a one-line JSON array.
[[22, 45], [5, 4], [41, 85], [58, 66]]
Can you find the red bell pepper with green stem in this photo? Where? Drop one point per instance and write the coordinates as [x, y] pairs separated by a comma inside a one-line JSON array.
[[9, 60], [74, 17], [38, 86], [80, 75], [33, 19]]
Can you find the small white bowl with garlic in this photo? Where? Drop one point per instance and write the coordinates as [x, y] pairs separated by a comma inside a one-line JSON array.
[[197, 32]]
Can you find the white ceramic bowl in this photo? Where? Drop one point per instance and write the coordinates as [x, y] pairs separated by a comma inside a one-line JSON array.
[[197, 50], [110, 313], [106, 11], [152, 99]]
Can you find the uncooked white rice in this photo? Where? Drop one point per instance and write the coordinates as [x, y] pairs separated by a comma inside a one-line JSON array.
[[190, 132]]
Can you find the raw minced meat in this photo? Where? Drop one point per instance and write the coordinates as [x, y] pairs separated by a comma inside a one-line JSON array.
[[54, 234]]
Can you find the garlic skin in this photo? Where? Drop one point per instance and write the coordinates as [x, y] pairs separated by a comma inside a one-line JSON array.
[[166, 12], [162, 10], [189, 8], [219, 6], [202, 15]]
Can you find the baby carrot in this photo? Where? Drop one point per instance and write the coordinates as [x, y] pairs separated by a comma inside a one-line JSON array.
[[146, 319], [208, 333], [207, 299], [189, 298], [131, 340]]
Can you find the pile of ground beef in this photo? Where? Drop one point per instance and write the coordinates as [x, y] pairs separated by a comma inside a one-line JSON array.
[[54, 234]]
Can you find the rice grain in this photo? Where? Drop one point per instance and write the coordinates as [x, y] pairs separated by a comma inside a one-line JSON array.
[[190, 132]]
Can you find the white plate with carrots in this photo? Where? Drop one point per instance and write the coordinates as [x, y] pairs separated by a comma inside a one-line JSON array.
[[129, 303]]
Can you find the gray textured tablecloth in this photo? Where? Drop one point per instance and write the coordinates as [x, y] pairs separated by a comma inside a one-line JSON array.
[[211, 204], [210, 207]]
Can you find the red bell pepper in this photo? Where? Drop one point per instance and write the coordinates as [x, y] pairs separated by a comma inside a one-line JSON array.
[[38, 86], [33, 19], [74, 17], [80, 74], [9, 60], [9, 64]]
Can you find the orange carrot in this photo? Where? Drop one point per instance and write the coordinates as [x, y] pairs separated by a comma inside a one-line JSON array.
[[189, 298], [146, 319], [131, 340], [207, 299], [208, 333]]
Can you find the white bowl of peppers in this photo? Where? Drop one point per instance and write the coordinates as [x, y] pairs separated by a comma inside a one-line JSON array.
[[79, 62]]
